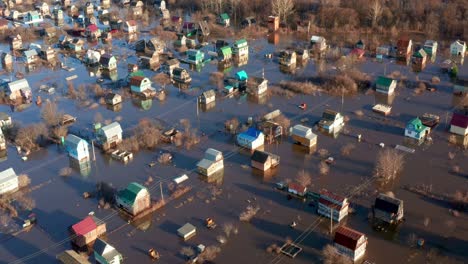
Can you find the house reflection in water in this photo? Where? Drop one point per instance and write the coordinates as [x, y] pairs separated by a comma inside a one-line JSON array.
[[216, 178], [83, 168], [384, 99], [3, 155], [143, 104]]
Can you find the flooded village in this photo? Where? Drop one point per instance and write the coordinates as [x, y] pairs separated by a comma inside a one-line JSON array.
[[224, 131]]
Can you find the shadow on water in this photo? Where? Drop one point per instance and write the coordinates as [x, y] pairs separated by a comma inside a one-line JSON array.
[[56, 223], [169, 227], [26, 248], [368, 125]]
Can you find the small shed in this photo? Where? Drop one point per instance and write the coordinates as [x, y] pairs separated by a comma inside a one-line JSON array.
[[257, 86], [108, 62], [211, 163], [419, 60], [273, 23], [416, 130], [224, 53], [181, 75], [458, 48], [140, 84], [304, 136], [287, 58], [187, 231], [388, 209], [297, 189], [331, 121]]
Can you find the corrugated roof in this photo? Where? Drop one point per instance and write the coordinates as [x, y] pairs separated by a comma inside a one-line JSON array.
[[211, 154], [297, 187], [384, 81], [101, 246], [17, 85], [130, 193], [112, 129], [84, 226], [331, 195], [302, 131], [137, 80], [459, 120], [72, 141], [347, 237], [7, 175], [387, 204]]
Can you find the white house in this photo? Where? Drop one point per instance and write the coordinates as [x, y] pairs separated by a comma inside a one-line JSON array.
[[77, 148], [385, 85], [350, 243], [331, 121], [104, 253], [134, 199], [415, 129], [111, 135], [211, 163], [8, 181], [331, 204], [251, 139], [257, 86], [458, 48], [459, 124]]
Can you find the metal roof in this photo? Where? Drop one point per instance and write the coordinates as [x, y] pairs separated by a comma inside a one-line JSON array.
[[17, 85], [112, 129], [7, 175], [73, 141]]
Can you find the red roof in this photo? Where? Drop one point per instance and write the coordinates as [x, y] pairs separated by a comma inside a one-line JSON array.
[[358, 52], [331, 195], [297, 187], [403, 43], [347, 237], [84, 226], [131, 23], [459, 120], [331, 204]]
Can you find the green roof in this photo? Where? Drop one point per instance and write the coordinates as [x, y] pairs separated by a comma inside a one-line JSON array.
[[384, 81], [129, 194], [226, 50], [420, 53], [224, 16], [417, 124], [242, 75], [240, 42]]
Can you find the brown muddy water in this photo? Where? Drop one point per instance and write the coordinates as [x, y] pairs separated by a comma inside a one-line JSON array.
[[59, 201]]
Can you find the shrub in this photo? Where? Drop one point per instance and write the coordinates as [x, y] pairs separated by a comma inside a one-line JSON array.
[[347, 149], [28, 137], [249, 212], [388, 165], [304, 178], [64, 172]]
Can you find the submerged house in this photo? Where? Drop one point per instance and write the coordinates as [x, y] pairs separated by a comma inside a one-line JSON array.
[[419, 60], [304, 136], [130, 27], [87, 231], [8, 181], [77, 148], [318, 44], [113, 98], [211, 163], [207, 97], [16, 42], [388, 209], [169, 66], [240, 48], [430, 47], [224, 20], [263, 160], [30, 56], [7, 59], [332, 205], [104, 253], [350, 243], [133, 199], [108, 62], [181, 75], [257, 86], [385, 85], [458, 48], [331, 121], [195, 56], [459, 123], [287, 58], [110, 136], [404, 49], [224, 53], [416, 130], [18, 89], [273, 23], [297, 189], [251, 139], [140, 84]]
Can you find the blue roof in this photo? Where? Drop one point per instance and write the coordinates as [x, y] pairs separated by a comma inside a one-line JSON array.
[[250, 134], [242, 75]]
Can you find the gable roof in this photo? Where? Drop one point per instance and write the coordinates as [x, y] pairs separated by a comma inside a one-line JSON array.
[[84, 226], [224, 16], [130, 193], [73, 141], [137, 80], [347, 237], [240, 43], [30, 53], [417, 124], [72, 257], [387, 204], [112, 129], [100, 247], [242, 75], [209, 93], [211, 154], [459, 120], [384, 81], [297, 187], [17, 85], [421, 53], [260, 156], [7, 175]]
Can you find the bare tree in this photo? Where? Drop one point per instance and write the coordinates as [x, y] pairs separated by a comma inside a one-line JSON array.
[[375, 11], [187, 252], [209, 254], [304, 178], [27, 137], [50, 113], [283, 9], [388, 165], [331, 255], [23, 180]]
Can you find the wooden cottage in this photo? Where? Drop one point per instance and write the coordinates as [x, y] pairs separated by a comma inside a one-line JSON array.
[[87, 231], [195, 56], [181, 75], [297, 189], [350, 243], [141, 85], [419, 60], [430, 47], [30, 56], [257, 86], [131, 27], [151, 62], [224, 20], [18, 89], [416, 130], [104, 253], [287, 58], [47, 54], [8, 181], [388, 209], [7, 59], [251, 139], [16, 42], [240, 48], [134, 199], [318, 44], [170, 65], [458, 48], [108, 62], [263, 160], [211, 163], [224, 53], [332, 205], [110, 136]]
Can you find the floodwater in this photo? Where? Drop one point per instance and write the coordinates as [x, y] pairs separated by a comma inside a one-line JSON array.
[[59, 201]]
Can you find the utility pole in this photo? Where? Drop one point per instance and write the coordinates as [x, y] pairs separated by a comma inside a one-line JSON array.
[[160, 188], [331, 221], [94, 153]]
